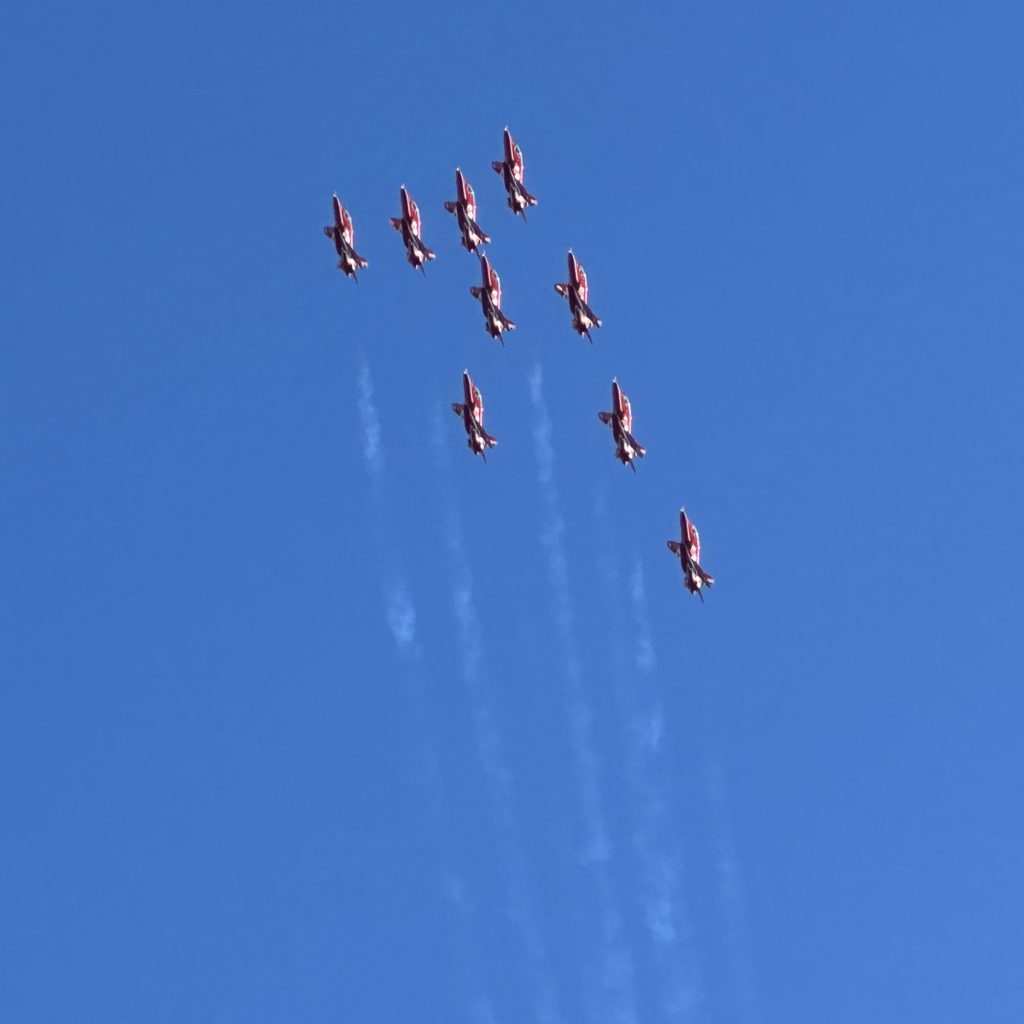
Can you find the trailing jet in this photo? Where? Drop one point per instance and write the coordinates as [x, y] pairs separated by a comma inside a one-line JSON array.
[[688, 550], [576, 291], [489, 296], [464, 208], [620, 419], [343, 235], [472, 413], [513, 173], [410, 226]]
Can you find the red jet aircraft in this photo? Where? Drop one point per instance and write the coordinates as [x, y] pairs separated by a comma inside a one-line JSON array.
[[688, 551], [464, 208], [621, 421], [489, 296], [513, 172], [343, 234], [472, 413], [576, 291], [410, 226]]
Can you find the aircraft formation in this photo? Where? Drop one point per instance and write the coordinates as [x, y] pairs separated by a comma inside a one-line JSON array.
[[576, 291]]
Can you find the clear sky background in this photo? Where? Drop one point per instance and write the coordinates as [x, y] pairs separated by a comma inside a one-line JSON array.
[[308, 715]]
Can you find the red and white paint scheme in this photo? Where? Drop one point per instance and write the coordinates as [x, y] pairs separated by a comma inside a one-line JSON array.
[[472, 413], [464, 208], [687, 549], [410, 226], [488, 294], [620, 419], [513, 173], [577, 291], [343, 235]]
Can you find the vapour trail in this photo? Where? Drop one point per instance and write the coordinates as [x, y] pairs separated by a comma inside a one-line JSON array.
[[399, 610], [491, 749], [618, 999], [656, 843], [730, 888], [400, 614]]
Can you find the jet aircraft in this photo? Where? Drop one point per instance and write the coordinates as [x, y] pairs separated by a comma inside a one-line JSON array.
[[688, 551], [489, 296], [410, 226], [464, 208], [472, 413], [513, 173], [620, 419], [343, 235], [576, 291]]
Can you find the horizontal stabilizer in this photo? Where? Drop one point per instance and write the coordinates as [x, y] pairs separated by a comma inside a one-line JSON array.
[[484, 238], [640, 450]]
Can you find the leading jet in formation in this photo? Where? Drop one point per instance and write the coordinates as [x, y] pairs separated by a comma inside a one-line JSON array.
[[472, 413], [489, 296], [410, 226], [687, 548], [464, 208], [513, 173], [343, 235], [620, 419], [576, 291]]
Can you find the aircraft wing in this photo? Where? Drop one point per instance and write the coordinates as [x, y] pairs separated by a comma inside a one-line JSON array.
[[518, 164], [626, 413], [694, 539], [347, 230], [470, 202], [494, 286], [582, 288], [478, 406]]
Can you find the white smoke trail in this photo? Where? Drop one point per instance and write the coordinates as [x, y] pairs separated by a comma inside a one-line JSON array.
[[491, 754], [399, 610], [730, 887], [656, 841], [373, 451], [618, 999]]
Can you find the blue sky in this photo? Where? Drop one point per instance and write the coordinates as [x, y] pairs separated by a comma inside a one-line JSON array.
[[308, 714]]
